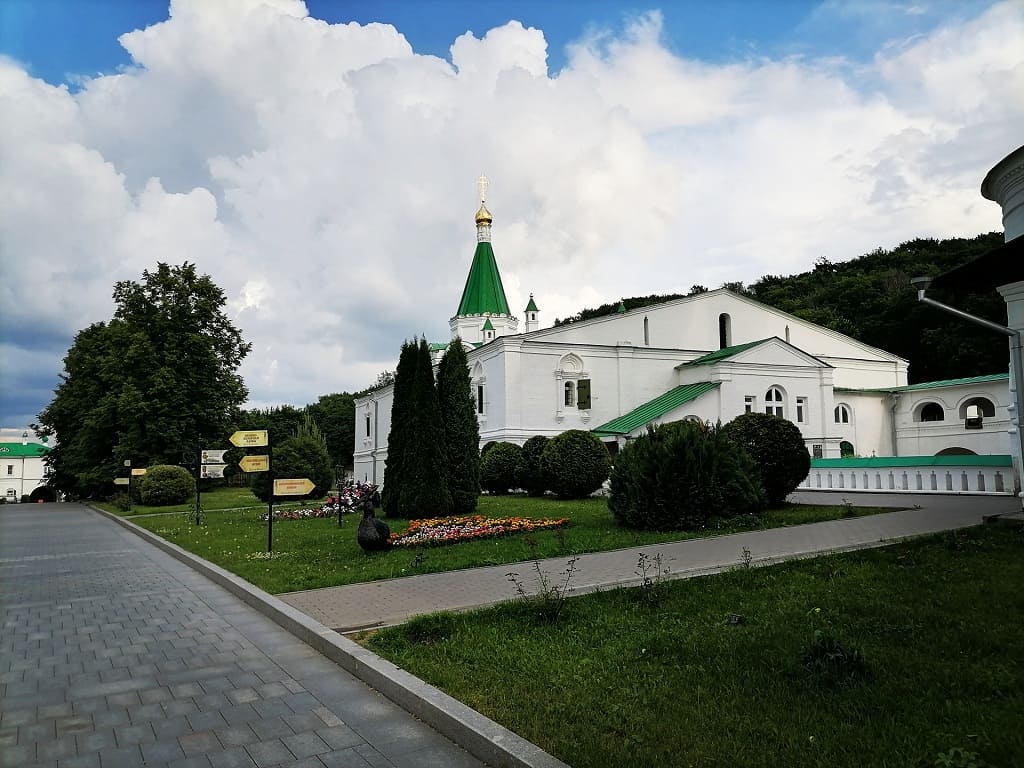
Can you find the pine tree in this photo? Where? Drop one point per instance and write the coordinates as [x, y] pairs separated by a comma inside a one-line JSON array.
[[461, 430], [424, 492], [402, 409]]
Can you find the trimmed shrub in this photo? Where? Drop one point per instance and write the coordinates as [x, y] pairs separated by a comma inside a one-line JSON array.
[[575, 464], [498, 468], [295, 458], [166, 484], [778, 449], [529, 470], [679, 475], [487, 446]]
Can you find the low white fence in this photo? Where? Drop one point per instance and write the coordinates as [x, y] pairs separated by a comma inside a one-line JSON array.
[[913, 474]]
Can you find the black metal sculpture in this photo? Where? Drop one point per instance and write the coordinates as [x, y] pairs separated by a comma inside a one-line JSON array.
[[373, 535]]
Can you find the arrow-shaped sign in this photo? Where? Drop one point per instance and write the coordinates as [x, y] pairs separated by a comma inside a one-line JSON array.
[[298, 487], [121, 481], [212, 470], [249, 438], [213, 457], [137, 472], [254, 463]]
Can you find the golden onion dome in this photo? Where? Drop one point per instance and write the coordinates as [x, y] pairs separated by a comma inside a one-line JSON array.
[[483, 216]]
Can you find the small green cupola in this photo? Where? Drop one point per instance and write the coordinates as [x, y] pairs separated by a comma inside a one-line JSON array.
[[532, 323], [483, 294]]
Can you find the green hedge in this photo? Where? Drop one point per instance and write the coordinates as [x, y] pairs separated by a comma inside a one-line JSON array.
[[575, 464], [498, 468], [166, 484]]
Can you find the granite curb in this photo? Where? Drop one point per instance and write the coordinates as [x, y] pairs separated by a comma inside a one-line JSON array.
[[477, 734]]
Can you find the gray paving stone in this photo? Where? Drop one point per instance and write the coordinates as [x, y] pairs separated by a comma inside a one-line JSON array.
[[199, 743], [344, 758], [237, 735], [235, 757], [162, 751], [305, 744], [80, 761], [271, 752]]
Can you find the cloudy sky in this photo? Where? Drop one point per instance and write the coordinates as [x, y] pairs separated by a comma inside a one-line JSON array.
[[319, 160]]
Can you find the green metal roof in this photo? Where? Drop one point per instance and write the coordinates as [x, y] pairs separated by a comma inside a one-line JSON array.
[[621, 309], [531, 307], [439, 346], [488, 326], [933, 384], [30, 450], [655, 408], [723, 353], [1000, 460], [483, 293]]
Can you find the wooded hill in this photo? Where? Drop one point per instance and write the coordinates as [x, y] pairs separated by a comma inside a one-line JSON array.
[[870, 298]]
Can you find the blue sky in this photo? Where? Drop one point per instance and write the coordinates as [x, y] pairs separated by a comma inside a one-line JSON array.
[[61, 40], [323, 173]]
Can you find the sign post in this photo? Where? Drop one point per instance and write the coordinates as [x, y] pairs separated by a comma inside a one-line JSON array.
[[259, 438], [128, 463]]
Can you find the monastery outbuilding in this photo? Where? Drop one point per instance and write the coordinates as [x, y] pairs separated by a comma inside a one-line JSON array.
[[710, 356]]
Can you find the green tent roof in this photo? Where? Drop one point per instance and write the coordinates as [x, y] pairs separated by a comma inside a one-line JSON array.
[[488, 326], [655, 409], [30, 450], [531, 307], [439, 346], [483, 293], [723, 353]]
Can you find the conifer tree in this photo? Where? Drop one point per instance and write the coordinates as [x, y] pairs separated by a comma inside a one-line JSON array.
[[424, 491], [461, 430], [402, 409]]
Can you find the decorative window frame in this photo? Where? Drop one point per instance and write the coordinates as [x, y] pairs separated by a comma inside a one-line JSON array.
[[570, 368], [479, 383], [801, 410], [842, 409]]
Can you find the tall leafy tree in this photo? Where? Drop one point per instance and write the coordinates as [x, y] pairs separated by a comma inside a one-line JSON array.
[[424, 492], [150, 385], [399, 438], [461, 429], [335, 414]]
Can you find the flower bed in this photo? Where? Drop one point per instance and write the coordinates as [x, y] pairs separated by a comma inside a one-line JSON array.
[[352, 495], [450, 530]]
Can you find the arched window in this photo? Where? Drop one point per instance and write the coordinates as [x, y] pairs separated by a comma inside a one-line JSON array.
[[774, 402], [570, 394], [932, 412], [647, 333], [846, 449], [724, 331], [842, 414], [985, 408]]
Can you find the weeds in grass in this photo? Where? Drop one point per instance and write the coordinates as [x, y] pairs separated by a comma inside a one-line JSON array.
[[653, 575], [418, 561], [550, 595], [746, 558], [847, 507], [826, 658], [958, 757]]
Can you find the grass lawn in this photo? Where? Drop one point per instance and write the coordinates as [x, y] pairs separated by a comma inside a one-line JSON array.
[[317, 553], [660, 676], [220, 498]]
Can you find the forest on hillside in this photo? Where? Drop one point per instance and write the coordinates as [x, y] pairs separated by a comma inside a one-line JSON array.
[[870, 298]]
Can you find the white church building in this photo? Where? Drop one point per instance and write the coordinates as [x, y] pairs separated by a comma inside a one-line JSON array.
[[710, 356]]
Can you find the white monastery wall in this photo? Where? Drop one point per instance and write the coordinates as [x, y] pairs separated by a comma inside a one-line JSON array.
[[926, 438]]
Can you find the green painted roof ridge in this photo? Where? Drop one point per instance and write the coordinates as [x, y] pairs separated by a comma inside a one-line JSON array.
[[725, 352], [932, 384], [969, 460], [483, 292], [653, 409]]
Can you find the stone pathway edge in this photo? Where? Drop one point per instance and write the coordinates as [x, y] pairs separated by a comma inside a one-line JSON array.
[[477, 734]]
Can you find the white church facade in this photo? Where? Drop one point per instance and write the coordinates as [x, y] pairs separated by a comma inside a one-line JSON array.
[[710, 356]]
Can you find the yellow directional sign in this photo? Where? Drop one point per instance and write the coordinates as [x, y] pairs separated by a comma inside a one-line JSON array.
[[254, 463], [293, 487], [121, 481], [137, 472], [249, 438]]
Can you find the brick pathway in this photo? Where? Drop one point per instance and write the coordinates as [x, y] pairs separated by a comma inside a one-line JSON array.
[[114, 654], [392, 601]]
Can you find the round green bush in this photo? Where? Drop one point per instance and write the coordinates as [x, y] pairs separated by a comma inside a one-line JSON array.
[[777, 447], [498, 468], [529, 471], [294, 459], [487, 447], [679, 475], [575, 464], [166, 484]]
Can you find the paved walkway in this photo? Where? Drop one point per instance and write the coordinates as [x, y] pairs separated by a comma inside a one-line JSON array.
[[380, 603], [115, 654]]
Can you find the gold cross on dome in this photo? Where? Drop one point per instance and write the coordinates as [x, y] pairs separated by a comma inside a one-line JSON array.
[[482, 183]]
